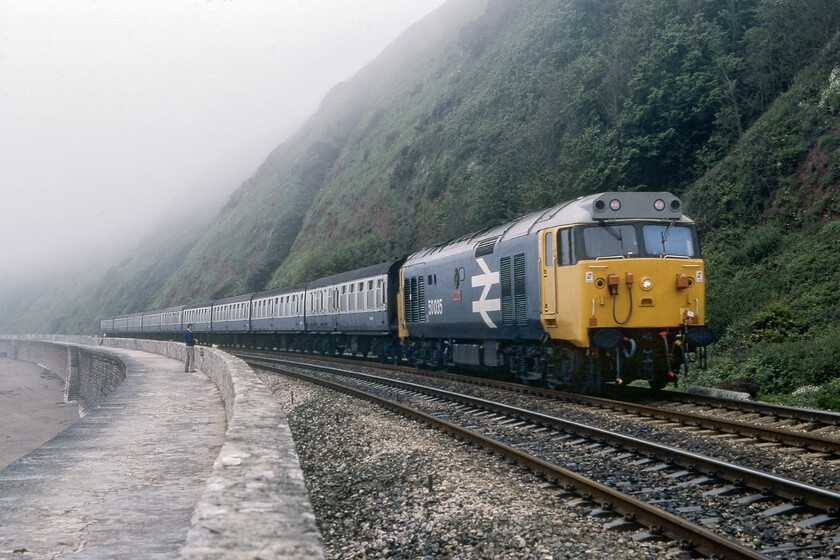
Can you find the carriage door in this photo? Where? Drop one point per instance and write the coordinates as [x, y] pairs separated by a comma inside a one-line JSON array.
[[548, 284]]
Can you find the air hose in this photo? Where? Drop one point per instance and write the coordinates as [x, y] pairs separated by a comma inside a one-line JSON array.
[[629, 313]]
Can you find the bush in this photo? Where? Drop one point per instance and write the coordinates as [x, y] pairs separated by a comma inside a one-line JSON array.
[[829, 397], [829, 142], [783, 367], [775, 322], [758, 244]]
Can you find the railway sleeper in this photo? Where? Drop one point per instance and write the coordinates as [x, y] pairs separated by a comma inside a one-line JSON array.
[[797, 505], [829, 518]]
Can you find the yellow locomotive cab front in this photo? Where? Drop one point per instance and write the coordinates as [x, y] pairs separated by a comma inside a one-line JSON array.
[[627, 288], [645, 293]]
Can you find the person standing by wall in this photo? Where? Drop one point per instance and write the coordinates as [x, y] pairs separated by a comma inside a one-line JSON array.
[[189, 340]]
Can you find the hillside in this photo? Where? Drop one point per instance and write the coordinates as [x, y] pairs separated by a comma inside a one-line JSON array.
[[488, 109]]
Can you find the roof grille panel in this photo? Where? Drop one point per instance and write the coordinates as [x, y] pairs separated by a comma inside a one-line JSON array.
[[485, 247]]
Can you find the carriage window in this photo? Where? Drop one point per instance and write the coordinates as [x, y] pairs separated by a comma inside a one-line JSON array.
[[660, 241], [610, 240]]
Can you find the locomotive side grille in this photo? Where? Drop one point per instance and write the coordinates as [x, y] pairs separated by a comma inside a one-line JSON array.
[[421, 299], [519, 300], [507, 291], [514, 301], [414, 300]]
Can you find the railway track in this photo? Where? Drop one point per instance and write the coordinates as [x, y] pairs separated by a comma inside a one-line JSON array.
[[770, 425], [516, 429]]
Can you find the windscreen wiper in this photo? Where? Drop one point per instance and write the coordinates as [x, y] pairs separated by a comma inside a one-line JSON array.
[[612, 231], [667, 233]]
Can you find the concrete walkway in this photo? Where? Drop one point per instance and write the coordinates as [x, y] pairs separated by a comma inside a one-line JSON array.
[[123, 481]]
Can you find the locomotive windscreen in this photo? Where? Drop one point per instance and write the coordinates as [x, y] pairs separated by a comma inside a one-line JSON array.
[[662, 240], [610, 241], [639, 240]]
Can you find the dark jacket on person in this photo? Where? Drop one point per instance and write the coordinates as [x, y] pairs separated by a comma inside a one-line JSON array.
[[189, 339]]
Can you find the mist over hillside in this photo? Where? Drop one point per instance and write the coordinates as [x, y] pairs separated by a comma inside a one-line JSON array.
[[488, 109]]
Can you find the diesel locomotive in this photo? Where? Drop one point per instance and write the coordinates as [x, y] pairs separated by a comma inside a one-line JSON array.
[[604, 288]]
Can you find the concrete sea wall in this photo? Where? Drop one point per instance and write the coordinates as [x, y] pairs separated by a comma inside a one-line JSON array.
[[255, 504]]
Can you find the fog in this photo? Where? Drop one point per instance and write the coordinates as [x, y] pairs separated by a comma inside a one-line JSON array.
[[116, 113]]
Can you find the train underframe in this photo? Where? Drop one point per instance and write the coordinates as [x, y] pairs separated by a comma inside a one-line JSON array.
[[615, 356]]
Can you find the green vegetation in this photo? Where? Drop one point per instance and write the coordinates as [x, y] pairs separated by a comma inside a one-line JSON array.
[[489, 109]]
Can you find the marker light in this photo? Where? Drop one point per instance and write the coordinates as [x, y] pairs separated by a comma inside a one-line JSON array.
[[615, 205], [659, 204], [646, 283]]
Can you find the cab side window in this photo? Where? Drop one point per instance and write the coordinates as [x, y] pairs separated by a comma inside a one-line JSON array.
[[549, 251], [565, 247]]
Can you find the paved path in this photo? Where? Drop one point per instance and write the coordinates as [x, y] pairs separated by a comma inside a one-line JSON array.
[[123, 481], [32, 408]]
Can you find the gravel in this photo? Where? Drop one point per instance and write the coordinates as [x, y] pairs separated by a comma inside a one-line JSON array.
[[369, 473]]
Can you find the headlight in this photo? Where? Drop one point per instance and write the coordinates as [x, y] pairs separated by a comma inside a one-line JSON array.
[[646, 283]]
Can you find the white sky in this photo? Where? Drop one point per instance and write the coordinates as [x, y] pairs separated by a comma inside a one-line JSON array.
[[115, 112]]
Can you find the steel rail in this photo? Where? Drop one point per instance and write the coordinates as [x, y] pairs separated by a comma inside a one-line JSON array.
[[803, 440], [824, 417], [786, 488], [675, 527]]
